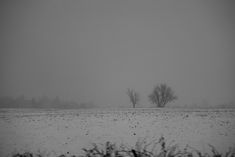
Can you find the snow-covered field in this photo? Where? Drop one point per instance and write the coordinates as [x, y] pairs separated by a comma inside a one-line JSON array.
[[62, 131]]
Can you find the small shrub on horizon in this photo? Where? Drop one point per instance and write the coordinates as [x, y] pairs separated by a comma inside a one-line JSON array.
[[133, 96]]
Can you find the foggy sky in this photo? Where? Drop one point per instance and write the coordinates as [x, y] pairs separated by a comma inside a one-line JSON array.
[[93, 50]]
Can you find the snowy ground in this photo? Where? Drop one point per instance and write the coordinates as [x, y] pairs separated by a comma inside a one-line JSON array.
[[62, 131]]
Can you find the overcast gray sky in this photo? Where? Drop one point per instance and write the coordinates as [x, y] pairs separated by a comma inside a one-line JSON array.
[[93, 50]]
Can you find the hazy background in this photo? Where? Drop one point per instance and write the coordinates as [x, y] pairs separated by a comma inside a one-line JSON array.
[[92, 51]]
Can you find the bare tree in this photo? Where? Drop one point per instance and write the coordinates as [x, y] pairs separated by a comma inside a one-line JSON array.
[[161, 95], [133, 96]]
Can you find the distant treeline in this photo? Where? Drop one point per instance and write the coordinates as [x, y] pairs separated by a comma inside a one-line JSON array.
[[42, 102], [46, 102]]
